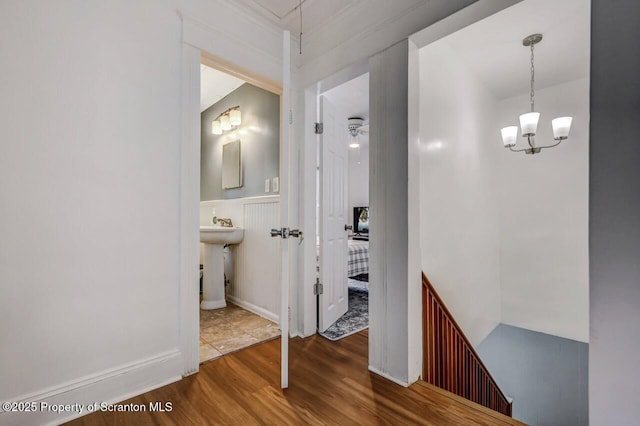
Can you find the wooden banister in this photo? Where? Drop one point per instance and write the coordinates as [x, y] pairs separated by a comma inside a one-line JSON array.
[[450, 361]]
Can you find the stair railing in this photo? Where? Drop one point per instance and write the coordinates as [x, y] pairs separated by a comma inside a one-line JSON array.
[[450, 361]]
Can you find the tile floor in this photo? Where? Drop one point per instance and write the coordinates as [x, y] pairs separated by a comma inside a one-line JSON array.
[[229, 329]]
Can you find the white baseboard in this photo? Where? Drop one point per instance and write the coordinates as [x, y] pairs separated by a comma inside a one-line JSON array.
[[388, 377], [110, 386], [253, 308]]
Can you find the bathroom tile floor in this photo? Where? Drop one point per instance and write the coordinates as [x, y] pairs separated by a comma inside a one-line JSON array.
[[229, 329]]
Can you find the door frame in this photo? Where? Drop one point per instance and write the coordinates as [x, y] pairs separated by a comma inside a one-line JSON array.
[[202, 44], [310, 162]]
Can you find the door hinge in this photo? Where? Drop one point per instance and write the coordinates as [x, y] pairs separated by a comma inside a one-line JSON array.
[[290, 116], [318, 128], [317, 288]]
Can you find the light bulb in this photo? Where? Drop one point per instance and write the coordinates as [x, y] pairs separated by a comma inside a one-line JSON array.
[[561, 127], [529, 123], [215, 127], [225, 123], [235, 117], [509, 135]]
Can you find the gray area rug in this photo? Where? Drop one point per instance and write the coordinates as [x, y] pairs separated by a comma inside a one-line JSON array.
[[357, 317]]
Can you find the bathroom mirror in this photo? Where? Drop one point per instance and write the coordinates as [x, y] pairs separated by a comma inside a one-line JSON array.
[[231, 165]]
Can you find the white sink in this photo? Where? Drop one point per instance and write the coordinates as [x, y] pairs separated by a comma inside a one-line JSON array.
[[214, 239], [221, 235]]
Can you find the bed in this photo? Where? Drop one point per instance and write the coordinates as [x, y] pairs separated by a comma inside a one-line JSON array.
[[358, 258]]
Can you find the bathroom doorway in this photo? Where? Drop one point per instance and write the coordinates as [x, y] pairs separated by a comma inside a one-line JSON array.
[[240, 276]]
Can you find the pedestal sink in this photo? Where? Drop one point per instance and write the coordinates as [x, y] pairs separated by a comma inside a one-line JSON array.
[[214, 239]]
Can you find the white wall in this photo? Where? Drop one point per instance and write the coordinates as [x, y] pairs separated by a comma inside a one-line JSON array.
[[535, 275], [614, 228], [89, 182], [388, 289], [544, 201], [358, 179], [89, 186], [459, 195]]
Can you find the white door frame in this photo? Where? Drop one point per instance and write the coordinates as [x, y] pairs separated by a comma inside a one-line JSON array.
[[286, 199], [308, 309], [201, 41]]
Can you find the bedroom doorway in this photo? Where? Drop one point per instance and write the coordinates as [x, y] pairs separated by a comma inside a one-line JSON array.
[[343, 209]]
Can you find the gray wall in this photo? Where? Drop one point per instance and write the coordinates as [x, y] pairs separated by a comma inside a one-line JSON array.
[[614, 228], [260, 146], [545, 375], [388, 157]]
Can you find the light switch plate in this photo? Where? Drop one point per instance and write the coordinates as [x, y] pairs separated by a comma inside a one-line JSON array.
[[267, 185], [276, 184]]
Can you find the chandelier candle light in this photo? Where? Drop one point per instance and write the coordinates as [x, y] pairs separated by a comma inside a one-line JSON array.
[[529, 121], [226, 121]]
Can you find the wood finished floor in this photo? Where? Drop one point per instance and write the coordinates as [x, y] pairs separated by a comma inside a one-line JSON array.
[[329, 384]]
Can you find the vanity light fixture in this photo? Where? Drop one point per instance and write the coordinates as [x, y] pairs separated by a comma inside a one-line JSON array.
[[235, 117], [529, 121], [228, 120]]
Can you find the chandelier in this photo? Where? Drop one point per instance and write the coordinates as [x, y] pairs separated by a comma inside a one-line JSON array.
[[529, 121]]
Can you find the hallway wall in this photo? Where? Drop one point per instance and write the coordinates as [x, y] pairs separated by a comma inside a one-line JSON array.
[[89, 259], [614, 208], [459, 193]]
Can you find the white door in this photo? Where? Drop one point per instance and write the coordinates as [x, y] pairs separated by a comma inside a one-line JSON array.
[[285, 194], [334, 161]]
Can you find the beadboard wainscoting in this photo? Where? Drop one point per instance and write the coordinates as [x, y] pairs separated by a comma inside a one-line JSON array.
[[255, 280]]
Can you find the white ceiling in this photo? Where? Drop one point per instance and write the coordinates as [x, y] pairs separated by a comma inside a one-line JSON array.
[[493, 47], [215, 85], [286, 13], [352, 97]]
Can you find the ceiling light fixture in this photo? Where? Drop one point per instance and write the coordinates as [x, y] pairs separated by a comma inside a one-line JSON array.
[[529, 121], [354, 124], [228, 120], [354, 142]]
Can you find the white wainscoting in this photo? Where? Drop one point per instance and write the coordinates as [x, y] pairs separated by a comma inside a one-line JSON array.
[[255, 283]]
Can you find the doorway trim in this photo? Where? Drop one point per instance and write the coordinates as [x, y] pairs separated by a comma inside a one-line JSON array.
[[308, 197], [204, 44]]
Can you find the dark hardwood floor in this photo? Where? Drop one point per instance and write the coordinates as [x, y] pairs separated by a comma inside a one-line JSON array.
[[329, 384]]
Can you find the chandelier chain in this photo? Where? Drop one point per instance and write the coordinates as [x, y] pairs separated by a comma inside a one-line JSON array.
[[533, 74]]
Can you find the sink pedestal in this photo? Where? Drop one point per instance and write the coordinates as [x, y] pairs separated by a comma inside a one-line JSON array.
[[213, 277], [214, 239]]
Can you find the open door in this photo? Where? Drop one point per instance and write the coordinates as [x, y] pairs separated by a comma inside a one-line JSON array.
[[285, 193], [334, 162]]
